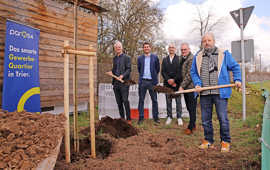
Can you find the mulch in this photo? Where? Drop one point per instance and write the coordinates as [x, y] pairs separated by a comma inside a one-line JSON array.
[[28, 138]]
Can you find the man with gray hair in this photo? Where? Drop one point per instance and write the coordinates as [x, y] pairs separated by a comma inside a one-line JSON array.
[[171, 73], [122, 69], [210, 67], [190, 100]]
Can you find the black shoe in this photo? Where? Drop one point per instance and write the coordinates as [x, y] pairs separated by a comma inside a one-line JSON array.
[[157, 121], [140, 122]]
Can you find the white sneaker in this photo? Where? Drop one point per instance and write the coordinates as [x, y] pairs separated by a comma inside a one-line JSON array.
[[180, 122], [168, 121]]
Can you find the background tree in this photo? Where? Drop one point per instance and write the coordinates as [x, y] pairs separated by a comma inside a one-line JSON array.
[[206, 21], [130, 21]]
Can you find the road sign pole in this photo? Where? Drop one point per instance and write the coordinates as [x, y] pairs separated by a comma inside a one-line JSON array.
[[243, 64]]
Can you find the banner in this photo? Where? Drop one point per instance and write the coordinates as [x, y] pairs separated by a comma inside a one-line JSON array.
[[107, 104], [21, 87]]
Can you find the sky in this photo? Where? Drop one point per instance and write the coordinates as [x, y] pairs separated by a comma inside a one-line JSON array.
[[180, 15]]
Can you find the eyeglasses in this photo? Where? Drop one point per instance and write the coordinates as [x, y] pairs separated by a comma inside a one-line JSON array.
[[184, 49]]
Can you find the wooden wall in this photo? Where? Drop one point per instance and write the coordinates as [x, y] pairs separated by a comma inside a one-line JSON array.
[[55, 20]]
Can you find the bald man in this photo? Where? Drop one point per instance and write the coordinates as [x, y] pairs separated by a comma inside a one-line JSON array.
[[210, 67]]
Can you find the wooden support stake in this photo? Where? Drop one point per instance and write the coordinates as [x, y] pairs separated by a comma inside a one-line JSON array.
[[75, 82], [78, 52], [66, 103], [92, 106]]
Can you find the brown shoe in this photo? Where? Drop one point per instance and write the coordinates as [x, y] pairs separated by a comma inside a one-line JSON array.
[[188, 131], [194, 129]]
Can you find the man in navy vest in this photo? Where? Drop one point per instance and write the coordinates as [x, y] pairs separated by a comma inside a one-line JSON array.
[[148, 68]]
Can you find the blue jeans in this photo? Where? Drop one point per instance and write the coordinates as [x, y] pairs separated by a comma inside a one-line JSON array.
[[143, 87], [207, 103]]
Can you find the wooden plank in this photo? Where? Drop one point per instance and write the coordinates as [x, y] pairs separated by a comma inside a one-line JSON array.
[[49, 9], [34, 13], [66, 104], [92, 107]]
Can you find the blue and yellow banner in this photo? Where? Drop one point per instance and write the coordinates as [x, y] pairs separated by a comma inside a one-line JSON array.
[[21, 87]]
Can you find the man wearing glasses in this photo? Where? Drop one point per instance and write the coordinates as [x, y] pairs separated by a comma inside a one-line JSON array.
[[191, 101]]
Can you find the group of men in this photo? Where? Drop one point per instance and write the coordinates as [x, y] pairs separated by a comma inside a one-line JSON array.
[[209, 67]]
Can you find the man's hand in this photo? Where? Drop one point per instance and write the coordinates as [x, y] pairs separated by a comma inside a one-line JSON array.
[[121, 77], [238, 85], [171, 82], [198, 89]]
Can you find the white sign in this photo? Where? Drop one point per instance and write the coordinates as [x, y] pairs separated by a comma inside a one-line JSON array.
[[107, 104]]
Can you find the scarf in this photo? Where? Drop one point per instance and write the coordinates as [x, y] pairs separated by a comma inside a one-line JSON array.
[[212, 54]]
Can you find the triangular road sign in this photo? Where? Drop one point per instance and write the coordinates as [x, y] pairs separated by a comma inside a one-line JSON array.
[[246, 14]]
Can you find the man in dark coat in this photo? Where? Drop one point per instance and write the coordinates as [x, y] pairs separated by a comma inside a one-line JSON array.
[[171, 73], [122, 69]]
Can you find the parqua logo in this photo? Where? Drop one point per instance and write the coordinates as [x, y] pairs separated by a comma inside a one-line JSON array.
[[23, 34]]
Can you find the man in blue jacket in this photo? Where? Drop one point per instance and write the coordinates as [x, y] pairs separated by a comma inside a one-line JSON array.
[[210, 67], [148, 68]]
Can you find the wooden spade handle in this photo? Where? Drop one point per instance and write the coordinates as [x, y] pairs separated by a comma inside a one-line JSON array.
[[205, 88], [114, 76]]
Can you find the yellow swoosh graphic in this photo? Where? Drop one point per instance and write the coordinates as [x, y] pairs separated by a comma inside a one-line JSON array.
[[26, 96]]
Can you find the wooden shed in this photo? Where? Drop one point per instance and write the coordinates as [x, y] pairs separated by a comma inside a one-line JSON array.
[[55, 20]]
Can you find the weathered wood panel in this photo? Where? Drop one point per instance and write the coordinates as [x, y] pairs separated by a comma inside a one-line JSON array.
[[55, 21]]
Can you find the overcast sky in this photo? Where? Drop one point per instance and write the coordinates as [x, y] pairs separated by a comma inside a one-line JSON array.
[[180, 15]]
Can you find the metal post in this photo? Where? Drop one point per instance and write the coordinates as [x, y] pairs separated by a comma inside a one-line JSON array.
[[243, 64]]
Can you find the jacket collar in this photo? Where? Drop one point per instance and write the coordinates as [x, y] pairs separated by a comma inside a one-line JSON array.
[[199, 60]]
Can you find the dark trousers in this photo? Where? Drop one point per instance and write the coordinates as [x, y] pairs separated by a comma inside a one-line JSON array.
[[178, 106], [191, 104], [207, 102], [121, 95], [143, 87]]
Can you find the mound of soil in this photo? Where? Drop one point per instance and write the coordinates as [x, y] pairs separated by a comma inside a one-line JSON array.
[[118, 128], [28, 138]]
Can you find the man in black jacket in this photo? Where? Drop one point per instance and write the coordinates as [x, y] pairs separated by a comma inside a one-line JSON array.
[[122, 69], [171, 73]]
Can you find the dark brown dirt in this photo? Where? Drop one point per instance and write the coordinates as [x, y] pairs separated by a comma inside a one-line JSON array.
[[118, 128], [28, 138], [151, 151], [163, 89]]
